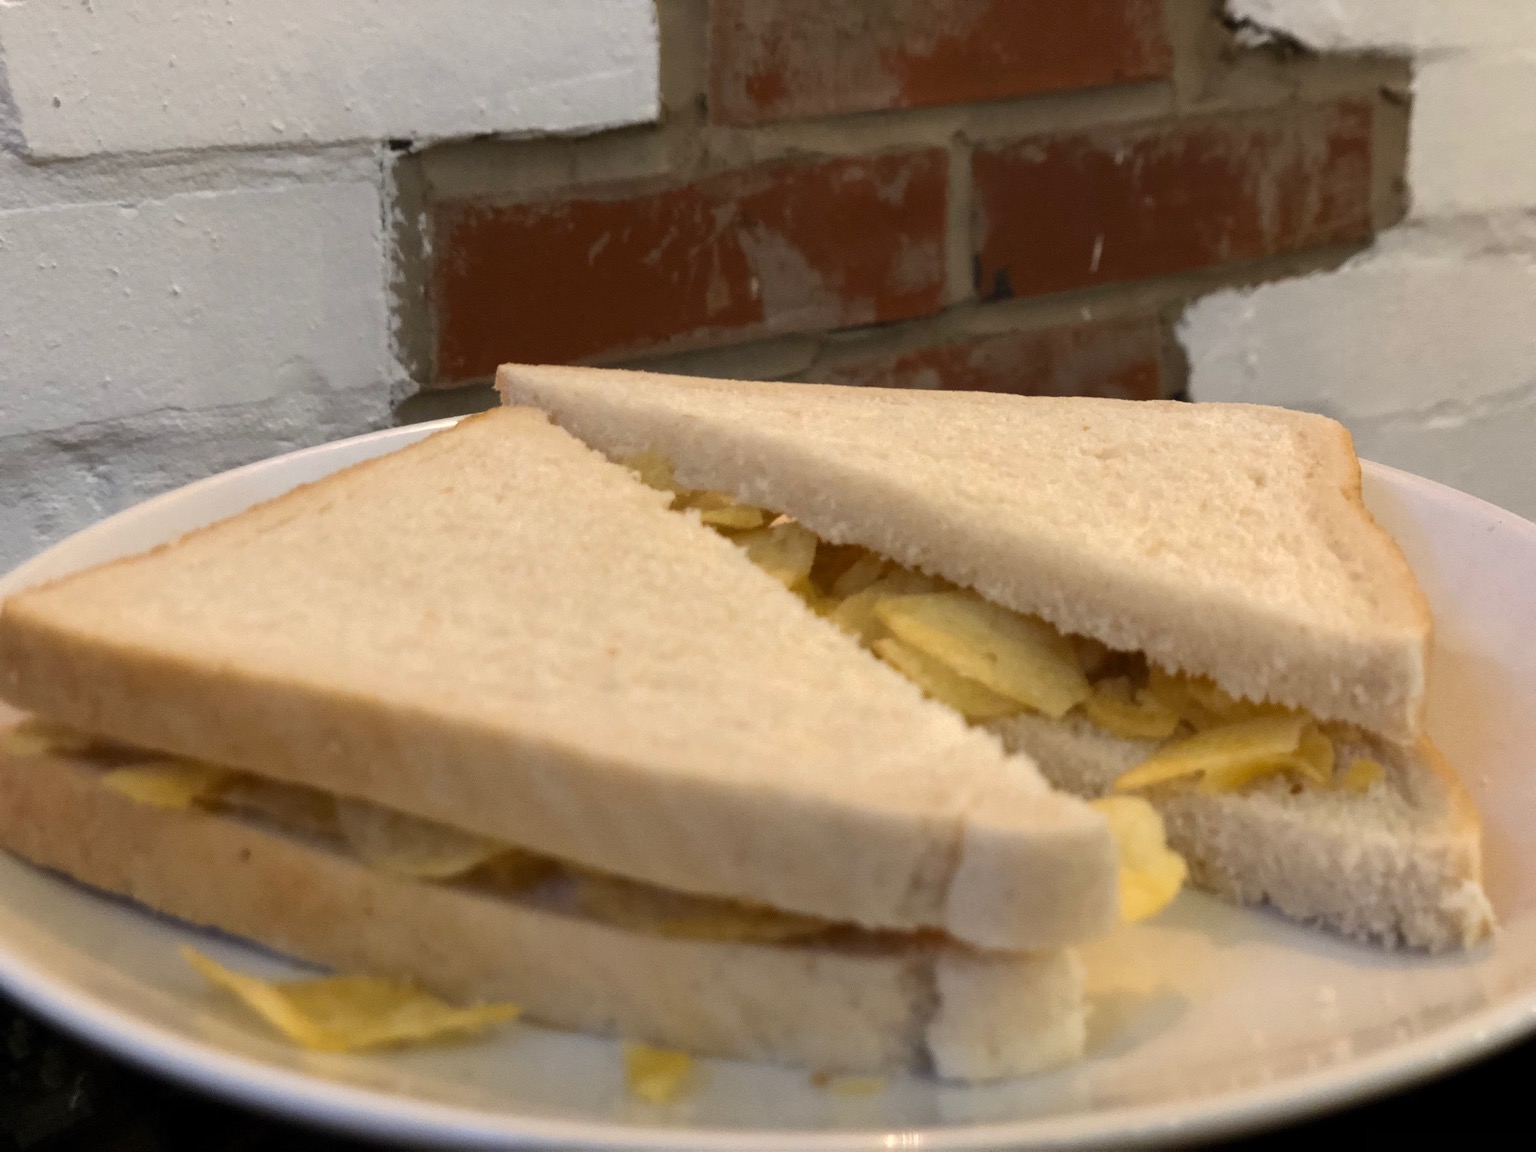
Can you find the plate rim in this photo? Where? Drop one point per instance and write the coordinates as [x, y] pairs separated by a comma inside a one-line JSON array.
[[393, 1117], [396, 1118]]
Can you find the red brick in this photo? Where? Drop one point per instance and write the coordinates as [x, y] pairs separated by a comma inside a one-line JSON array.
[[784, 248], [1118, 358], [1069, 211], [779, 59]]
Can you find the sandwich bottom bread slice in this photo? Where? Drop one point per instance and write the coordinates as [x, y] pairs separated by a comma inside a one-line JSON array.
[[1390, 853], [361, 889]]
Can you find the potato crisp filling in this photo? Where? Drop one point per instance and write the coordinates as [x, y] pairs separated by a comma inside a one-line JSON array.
[[398, 844], [990, 663]]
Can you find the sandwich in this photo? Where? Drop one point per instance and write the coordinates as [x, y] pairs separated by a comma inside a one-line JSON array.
[[1186, 603], [491, 717]]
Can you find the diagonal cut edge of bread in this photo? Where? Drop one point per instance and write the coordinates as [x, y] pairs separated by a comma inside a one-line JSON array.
[[877, 1008], [499, 630], [1400, 865], [1225, 540]]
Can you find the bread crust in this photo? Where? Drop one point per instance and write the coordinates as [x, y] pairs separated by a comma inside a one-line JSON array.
[[1393, 568], [869, 1008], [1463, 819]]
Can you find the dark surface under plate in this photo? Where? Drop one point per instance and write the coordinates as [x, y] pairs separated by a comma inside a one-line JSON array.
[[59, 1096]]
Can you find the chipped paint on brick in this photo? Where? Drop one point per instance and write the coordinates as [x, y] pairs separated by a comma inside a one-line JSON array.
[[778, 248], [1119, 204], [778, 59]]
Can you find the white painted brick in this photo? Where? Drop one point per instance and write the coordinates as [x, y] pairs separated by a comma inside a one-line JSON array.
[[1410, 326], [210, 298], [1394, 25], [160, 75], [1424, 347], [1472, 141], [1485, 451], [54, 483], [113, 179]]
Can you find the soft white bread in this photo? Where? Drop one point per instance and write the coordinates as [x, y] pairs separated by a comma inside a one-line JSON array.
[[1399, 865], [873, 1004], [1226, 540], [499, 630]]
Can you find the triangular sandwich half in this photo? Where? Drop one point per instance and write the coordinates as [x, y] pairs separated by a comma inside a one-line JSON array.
[[1225, 628], [495, 646]]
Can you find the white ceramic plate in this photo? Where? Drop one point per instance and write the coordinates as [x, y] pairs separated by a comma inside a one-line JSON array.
[[1209, 1019]]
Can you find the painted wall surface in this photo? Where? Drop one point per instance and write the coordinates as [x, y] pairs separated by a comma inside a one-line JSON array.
[[197, 203], [158, 75]]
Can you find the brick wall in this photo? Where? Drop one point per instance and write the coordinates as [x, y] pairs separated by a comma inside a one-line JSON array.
[[1015, 195], [233, 227]]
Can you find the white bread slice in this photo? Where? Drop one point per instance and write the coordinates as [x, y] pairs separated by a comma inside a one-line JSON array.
[[1400, 865], [1221, 539], [876, 1004], [499, 630]]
